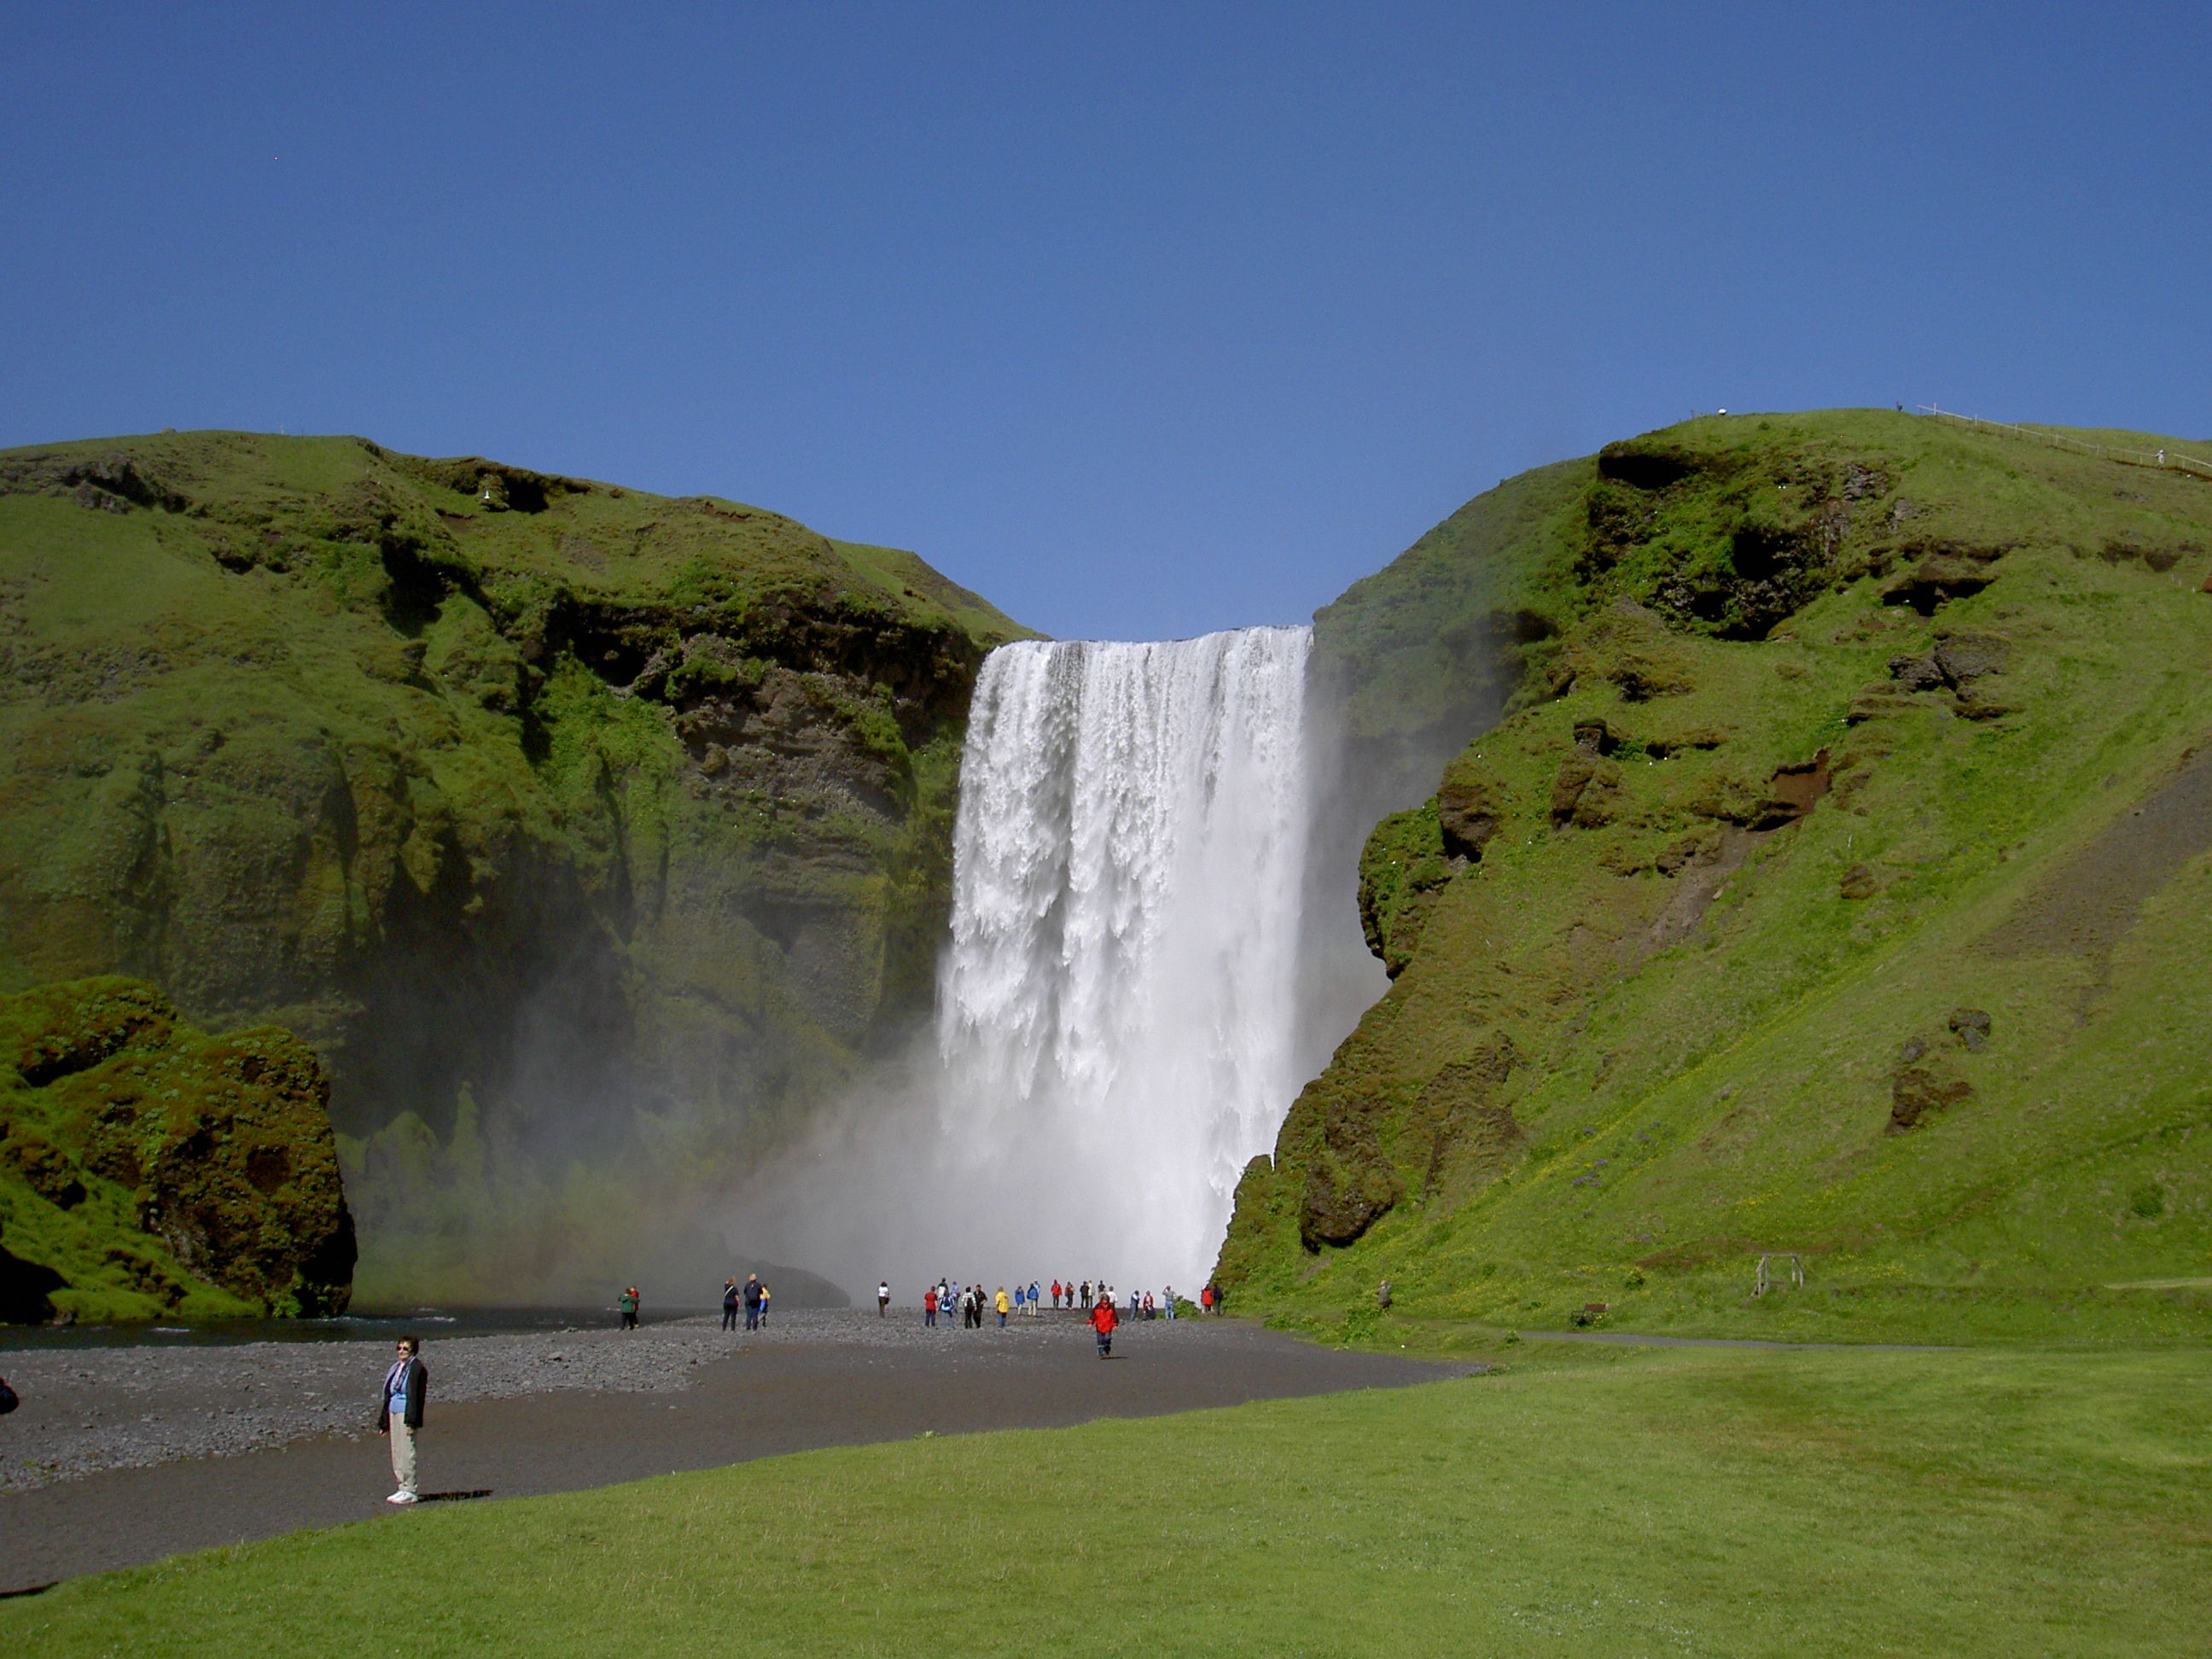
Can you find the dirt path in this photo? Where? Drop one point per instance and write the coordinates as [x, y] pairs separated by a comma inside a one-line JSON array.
[[825, 1381]]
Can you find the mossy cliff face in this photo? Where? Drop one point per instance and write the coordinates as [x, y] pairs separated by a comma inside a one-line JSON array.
[[146, 1169], [1830, 880], [582, 832]]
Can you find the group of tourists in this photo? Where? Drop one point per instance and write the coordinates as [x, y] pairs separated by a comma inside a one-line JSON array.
[[974, 1305], [407, 1384], [971, 1302], [752, 1296]]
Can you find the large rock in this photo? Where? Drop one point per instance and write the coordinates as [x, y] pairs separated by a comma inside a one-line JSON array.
[[139, 1158]]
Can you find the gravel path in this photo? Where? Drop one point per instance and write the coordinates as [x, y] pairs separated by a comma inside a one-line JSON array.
[[89, 1409], [511, 1416]]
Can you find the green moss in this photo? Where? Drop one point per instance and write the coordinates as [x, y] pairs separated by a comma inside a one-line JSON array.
[[472, 776], [1708, 994], [155, 1170]]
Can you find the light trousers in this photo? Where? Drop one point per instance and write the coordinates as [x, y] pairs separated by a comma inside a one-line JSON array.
[[402, 1457]]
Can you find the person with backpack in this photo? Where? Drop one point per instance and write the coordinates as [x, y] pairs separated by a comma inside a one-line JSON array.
[[729, 1304], [1033, 1298], [1102, 1323], [752, 1299], [399, 1416], [627, 1305]]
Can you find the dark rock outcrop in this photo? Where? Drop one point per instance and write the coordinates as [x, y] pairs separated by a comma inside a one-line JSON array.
[[152, 1157]]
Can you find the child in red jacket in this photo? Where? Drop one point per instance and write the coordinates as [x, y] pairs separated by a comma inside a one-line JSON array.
[[1103, 1322]]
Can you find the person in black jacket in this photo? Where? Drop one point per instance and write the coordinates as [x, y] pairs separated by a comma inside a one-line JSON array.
[[406, 1391]]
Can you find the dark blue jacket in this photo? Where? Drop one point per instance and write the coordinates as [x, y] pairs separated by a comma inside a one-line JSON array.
[[418, 1392]]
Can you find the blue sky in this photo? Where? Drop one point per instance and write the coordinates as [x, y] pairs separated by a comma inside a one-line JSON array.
[[1139, 319]]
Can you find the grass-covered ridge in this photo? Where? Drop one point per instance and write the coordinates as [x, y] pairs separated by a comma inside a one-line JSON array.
[[1700, 1502], [1831, 881], [580, 830]]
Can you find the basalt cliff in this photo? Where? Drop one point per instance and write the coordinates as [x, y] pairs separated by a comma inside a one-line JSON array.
[[585, 837]]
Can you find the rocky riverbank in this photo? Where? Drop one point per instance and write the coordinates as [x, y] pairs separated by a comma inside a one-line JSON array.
[[89, 1409]]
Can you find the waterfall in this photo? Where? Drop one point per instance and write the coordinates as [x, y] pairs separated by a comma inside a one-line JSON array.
[[1119, 1006]]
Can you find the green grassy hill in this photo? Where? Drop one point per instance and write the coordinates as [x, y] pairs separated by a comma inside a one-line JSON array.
[[1833, 882], [582, 832]]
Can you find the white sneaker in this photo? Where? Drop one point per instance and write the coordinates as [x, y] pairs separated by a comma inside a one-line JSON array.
[[403, 1497]]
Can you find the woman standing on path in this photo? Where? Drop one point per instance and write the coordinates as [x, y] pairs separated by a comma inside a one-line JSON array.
[[1102, 1323], [729, 1304], [406, 1391]]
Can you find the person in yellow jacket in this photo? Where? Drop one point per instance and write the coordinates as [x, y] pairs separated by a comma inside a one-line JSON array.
[[1002, 1304]]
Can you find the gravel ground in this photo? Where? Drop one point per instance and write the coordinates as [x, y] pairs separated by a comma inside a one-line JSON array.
[[89, 1409], [86, 1410], [509, 1419]]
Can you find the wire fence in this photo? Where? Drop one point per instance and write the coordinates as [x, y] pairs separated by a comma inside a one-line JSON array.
[[2167, 458]]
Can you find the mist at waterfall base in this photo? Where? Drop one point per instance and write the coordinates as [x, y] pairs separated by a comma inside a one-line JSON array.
[[1147, 960]]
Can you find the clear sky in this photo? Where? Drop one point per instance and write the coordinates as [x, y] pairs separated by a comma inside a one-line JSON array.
[[1139, 319]]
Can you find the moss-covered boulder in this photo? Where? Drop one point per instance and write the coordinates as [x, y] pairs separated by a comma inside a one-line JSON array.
[[148, 1169]]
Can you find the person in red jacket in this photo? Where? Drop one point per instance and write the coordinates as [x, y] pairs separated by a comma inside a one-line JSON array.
[[1103, 1322]]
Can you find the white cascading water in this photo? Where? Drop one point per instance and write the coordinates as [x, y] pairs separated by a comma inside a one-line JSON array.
[[1118, 1010]]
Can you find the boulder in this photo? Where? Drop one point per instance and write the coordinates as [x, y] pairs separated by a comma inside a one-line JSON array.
[[158, 1156], [1971, 1027], [1469, 809], [1587, 791]]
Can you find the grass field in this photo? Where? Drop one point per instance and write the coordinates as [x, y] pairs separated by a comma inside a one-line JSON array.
[[1609, 1502]]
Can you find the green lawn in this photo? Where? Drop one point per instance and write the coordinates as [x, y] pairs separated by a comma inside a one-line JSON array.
[[1606, 1502]]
